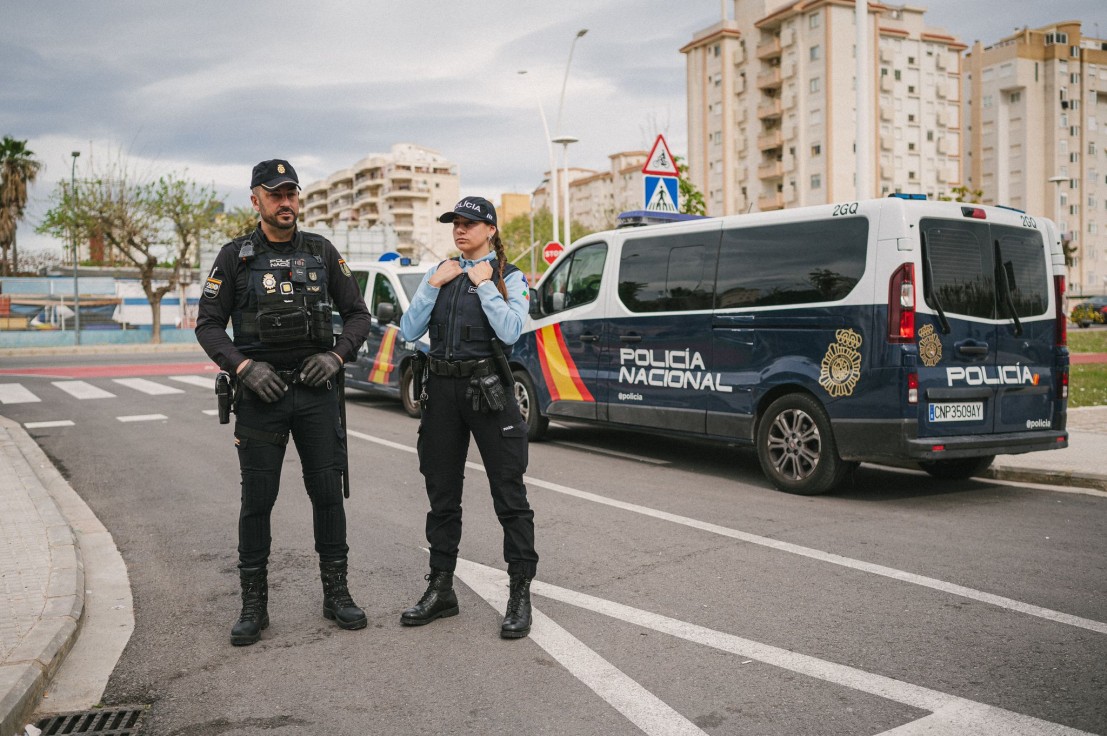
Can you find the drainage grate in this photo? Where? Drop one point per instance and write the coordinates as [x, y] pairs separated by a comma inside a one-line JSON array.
[[121, 721]]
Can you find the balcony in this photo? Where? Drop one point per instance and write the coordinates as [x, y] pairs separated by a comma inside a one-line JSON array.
[[887, 84], [767, 202], [769, 49], [768, 141], [406, 191], [771, 170], [770, 110], [769, 79], [886, 113]]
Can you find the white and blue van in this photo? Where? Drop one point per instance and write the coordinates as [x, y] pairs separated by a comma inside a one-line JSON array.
[[886, 330]]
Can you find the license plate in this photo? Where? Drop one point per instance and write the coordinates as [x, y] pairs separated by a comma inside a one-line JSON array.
[[965, 411]]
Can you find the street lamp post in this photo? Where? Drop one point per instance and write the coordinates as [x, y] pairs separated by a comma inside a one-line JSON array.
[[76, 256], [565, 140], [552, 162]]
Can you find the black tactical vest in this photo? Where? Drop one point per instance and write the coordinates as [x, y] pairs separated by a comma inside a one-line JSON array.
[[459, 329], [287, 304]]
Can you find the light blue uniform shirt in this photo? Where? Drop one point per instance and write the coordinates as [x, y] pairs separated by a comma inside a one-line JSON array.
[[506, 318]]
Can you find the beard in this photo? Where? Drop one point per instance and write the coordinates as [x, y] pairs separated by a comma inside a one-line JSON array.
[[272, 220]]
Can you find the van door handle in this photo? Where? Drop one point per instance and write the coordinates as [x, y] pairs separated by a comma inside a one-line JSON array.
[[630, 338], [589, 337], [972, 347]]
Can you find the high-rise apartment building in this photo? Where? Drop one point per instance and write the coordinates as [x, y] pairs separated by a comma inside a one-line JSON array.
[[771, 105], [1036, 136], [598, 197], [403, 190]]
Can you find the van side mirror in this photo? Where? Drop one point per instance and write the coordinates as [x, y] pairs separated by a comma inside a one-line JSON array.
[[535, 306], [386, 312]]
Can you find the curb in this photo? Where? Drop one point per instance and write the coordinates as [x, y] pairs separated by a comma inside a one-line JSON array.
[[104, 349], [1047, 477], [27, 672]]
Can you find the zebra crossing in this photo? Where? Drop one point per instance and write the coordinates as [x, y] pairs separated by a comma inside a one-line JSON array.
[[17, 393]]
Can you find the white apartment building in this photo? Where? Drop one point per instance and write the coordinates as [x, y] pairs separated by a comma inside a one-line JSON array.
[[771, 105], [402, 191], [596, 198], [1036, 137]]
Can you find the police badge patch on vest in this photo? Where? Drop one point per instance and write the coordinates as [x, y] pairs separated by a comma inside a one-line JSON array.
[[211, 287], [269, 281], [344, 267]]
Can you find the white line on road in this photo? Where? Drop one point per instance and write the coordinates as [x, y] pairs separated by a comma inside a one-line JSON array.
[[207, 382], [83, 390], [142, 418], [148, 387], [42, 425], [616, 453], [211, 412], [15, 393], [827, 557], [637, 704], [949, 713]]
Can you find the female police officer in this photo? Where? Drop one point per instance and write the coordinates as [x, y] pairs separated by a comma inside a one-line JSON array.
[[277, 285], [466, 303]]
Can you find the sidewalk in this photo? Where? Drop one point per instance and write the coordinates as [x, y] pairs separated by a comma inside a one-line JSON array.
[[42, 575]]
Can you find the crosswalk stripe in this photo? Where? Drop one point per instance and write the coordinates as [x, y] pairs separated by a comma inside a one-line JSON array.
[[15, 393], [42, 425], [202, 381], [83, 390], [142, 418], [147, 387]]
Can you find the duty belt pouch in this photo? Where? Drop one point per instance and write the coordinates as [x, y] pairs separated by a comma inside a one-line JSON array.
[[492, 389], [283, 320]]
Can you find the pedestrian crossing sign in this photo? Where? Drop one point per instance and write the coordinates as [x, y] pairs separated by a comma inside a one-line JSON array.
[[661, 193]]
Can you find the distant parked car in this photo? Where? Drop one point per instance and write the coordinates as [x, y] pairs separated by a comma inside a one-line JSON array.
[[1089, 310]]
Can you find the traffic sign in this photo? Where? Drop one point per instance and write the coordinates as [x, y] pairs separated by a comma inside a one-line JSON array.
[[552, 251], [660, 161], [661, 193]]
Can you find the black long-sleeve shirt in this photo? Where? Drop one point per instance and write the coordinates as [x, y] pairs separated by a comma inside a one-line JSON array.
[[227, 290]]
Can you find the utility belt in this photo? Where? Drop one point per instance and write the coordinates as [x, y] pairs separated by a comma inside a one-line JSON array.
[[461, 368]]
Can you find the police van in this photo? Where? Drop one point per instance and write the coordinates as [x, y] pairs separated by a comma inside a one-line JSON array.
[[887, 330], [383, 364]]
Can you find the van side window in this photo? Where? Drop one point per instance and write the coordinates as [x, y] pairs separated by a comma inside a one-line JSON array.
[[794, 263], [957, 261], [1022, 253], [383, 292], [667, 274], [575, 280]]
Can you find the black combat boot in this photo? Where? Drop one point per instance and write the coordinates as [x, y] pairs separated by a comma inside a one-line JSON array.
[[338, 606], [255, 606], [439, 601], [517, 619]]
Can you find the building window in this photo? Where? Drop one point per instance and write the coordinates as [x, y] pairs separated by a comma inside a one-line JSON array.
[[1015, 97], [910, 146], [910, 60], [930, 135], [716, 50], [816, 149], [910, 89], [816, 181], [897, 74], [814, 85], [911, 175], [813, 20], [911, 117], [813, 52]]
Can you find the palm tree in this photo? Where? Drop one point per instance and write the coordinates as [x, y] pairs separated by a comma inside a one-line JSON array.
[[18, 169]]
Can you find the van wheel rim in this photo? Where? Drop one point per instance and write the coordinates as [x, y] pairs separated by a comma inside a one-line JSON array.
[[523, 401], [794, 445]]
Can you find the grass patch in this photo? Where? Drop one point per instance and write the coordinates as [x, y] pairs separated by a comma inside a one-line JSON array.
[[1087, 385], [1087, 341]]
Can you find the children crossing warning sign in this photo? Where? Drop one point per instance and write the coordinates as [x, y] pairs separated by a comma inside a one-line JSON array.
[[660, 162]]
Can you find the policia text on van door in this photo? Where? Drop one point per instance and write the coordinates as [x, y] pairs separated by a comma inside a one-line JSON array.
[[882, 330]]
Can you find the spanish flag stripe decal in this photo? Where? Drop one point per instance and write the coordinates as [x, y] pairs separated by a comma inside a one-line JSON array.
[[382, 363], [561, 374]]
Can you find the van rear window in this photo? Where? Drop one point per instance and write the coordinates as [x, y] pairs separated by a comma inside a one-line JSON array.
[[793, 263]]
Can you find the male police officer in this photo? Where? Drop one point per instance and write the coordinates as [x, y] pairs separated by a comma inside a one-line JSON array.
[[277, 286]]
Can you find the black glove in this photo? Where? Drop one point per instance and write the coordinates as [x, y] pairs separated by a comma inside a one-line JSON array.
[[263, 380], [319, 368]]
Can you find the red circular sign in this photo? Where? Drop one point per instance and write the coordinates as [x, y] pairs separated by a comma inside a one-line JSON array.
[[552, 251]]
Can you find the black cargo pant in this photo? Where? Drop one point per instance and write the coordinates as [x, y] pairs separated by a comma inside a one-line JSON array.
[[448, 420], [311, 416]]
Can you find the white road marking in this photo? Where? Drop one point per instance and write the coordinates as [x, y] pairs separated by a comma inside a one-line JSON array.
[[211, 412], [627, 455], [83, 390], [949, 713], [827, 557], [147, 387], [637, 704], [15, 393], [207, 382], [42, 425], [142, 418]]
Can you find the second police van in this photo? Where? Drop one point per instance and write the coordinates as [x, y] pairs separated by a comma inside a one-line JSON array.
[[886, 330]]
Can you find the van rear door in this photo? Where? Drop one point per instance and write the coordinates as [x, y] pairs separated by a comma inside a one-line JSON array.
[[985, 350]]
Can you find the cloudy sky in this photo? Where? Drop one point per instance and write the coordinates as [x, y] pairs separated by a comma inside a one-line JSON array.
[[206, 89]]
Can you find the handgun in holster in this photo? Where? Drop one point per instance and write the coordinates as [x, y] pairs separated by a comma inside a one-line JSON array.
[[225, 395]]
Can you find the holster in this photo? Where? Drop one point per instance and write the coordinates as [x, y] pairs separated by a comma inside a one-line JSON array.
[[419, 363], [225, 394]]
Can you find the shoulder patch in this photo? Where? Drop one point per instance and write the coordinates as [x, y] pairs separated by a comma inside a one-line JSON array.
[[211, 287], [345, 268]]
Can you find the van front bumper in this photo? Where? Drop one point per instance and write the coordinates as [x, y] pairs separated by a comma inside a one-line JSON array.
[[869, 441]]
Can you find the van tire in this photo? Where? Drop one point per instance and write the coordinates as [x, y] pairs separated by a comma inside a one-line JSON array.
[[528, 406], [407, 393], [958, 468], [809, 468]]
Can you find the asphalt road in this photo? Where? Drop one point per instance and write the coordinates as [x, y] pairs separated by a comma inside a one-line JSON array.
[[677, 592]]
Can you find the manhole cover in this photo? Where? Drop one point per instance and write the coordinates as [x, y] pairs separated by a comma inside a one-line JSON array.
[[122, 721]]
